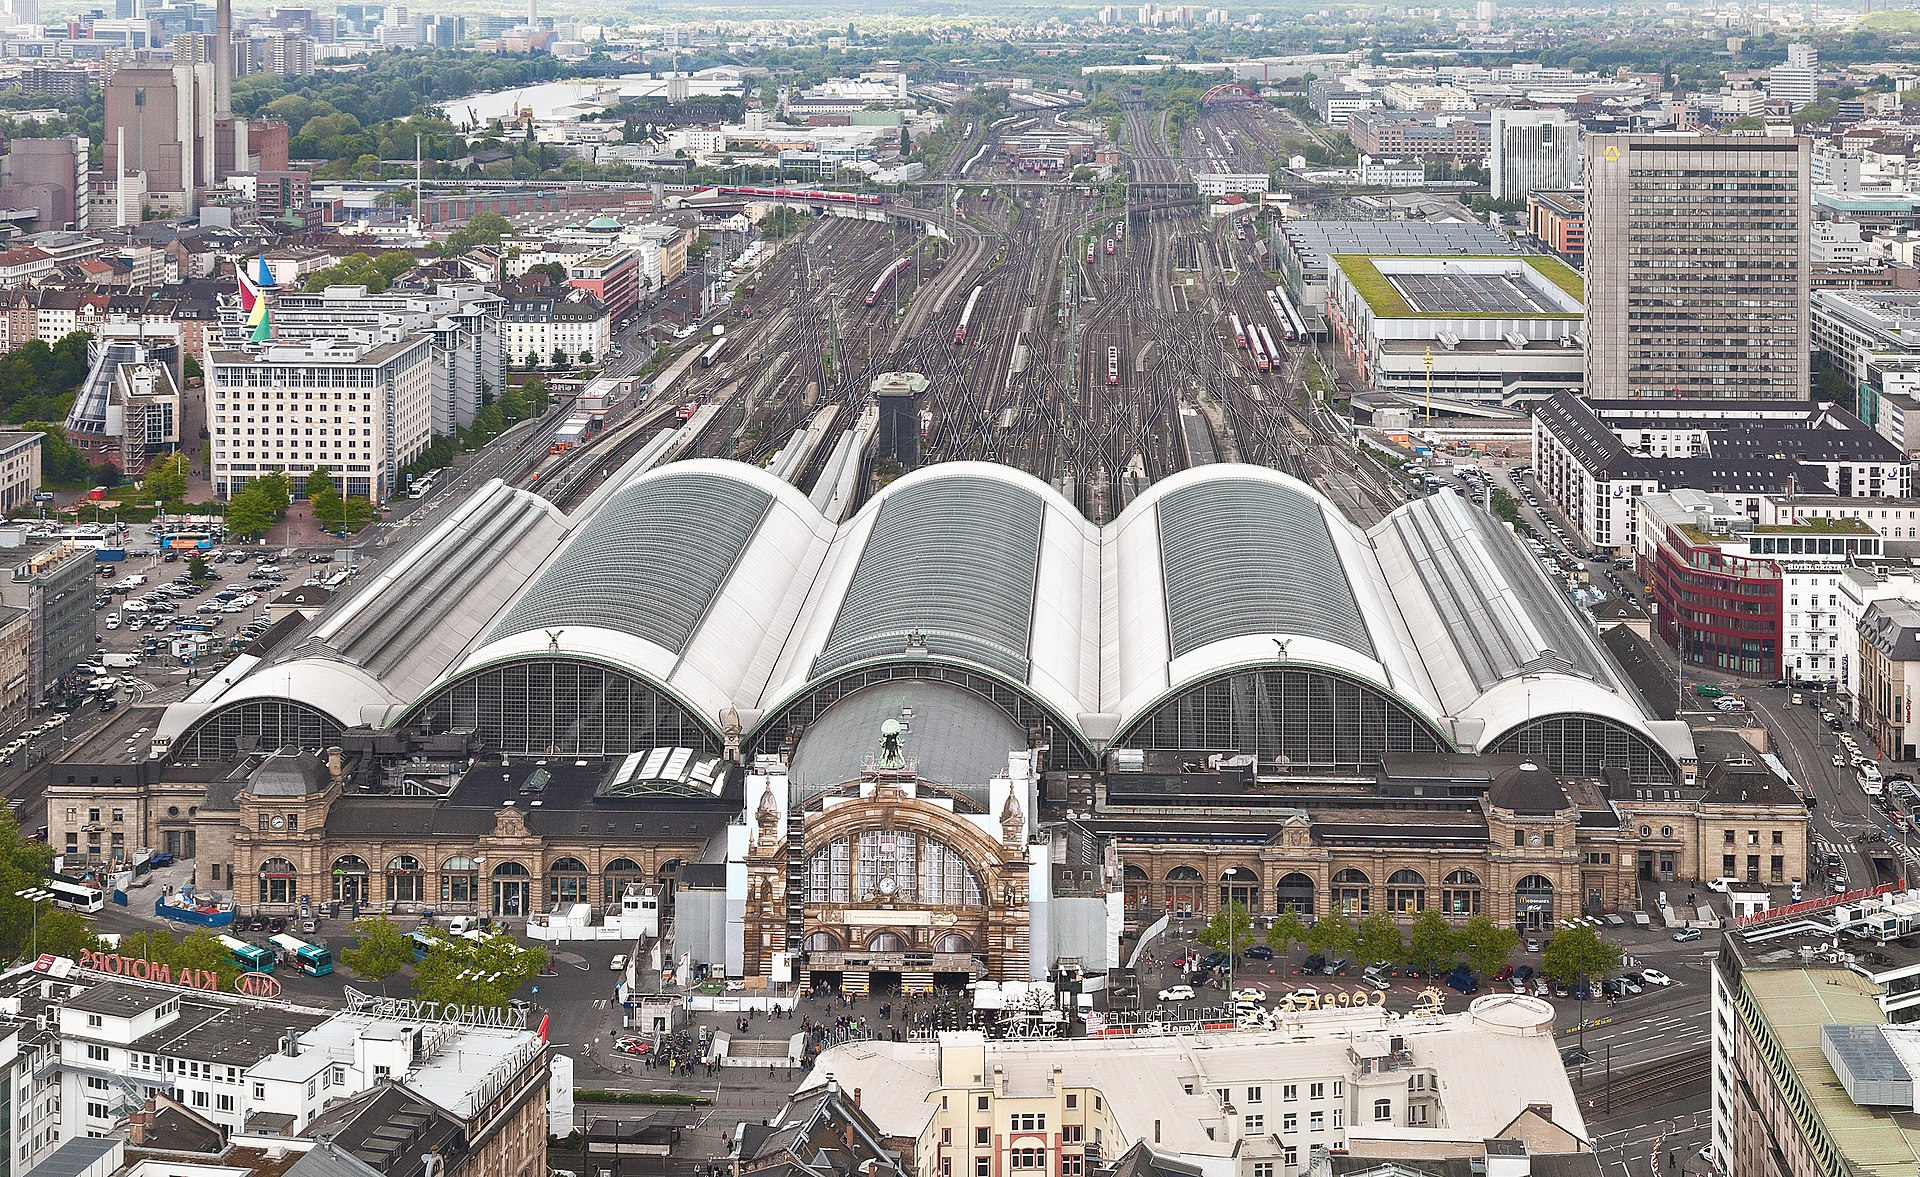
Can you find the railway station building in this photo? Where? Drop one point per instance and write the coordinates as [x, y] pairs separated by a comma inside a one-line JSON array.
[[905, 740]]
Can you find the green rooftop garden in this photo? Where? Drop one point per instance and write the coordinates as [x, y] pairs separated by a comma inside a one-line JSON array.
[[1386, 301]]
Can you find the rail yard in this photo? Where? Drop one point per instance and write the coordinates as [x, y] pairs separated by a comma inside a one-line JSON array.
[[1101, 337]]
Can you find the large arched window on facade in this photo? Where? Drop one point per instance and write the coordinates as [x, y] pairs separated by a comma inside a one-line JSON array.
[[619, 875], [560, 706], [1460, 894], [277, 881], [1186, 891], [405, 879], [1352, 892], [1240, 885], [1139, 888], [459, 880], [1310, 716], [1589, 746], [566, 881], [821, 942], [892, 866], [224, 733], [1406, 892]]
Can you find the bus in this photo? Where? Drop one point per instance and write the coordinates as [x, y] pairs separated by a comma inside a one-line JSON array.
[[423, 943], [76, 896], [251, 957], [309, 959], [186, 540]]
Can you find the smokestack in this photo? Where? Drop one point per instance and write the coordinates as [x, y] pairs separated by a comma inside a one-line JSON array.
[[533, 14], [223, 60]]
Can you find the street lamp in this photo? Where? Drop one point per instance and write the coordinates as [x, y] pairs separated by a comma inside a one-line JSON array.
[[35, 896]]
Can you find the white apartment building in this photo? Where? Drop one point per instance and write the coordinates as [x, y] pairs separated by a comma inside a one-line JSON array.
[[536, 327], [19, 469], [101, 1048], [1594, 458], [462, 319], [362, 410], [1252, 1103]]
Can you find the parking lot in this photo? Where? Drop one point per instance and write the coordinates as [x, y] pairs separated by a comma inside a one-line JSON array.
[[154, 609]]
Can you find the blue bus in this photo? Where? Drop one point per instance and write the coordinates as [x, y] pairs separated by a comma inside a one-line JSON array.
[[423, 943], [251, 957], [310, 959]]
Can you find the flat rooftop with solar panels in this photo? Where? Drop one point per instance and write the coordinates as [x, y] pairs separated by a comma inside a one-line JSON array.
[[1517, 287], [1470, 293]]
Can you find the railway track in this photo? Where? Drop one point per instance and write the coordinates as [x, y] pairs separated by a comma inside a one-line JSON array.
[[1029, 386]]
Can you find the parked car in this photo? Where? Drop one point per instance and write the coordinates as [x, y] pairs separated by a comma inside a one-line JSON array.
[[1259, 952], [1686, 935], [1249, 995], [1216, 960], [619, 962], [1177, 993], [1655, 977]]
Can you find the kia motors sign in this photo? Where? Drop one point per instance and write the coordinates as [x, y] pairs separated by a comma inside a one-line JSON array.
[[257, 985]]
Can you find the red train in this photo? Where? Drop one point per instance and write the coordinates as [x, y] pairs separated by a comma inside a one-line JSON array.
[[820, 194]]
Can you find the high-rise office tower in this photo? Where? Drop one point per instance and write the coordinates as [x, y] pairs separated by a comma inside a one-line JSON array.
[[1696, 266], [1796, 83], [1531, 151]]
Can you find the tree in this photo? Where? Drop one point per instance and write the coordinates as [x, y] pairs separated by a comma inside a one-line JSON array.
[[1574, 956], [323, 496], [1286, 930], [1229, 931], [586, 355], [25, 863], [1486, 945], [483, 230], [197, 568], [1377, 937], [559, 356], [486, 971], [197, 949], [1331, 935], [1431, 944], [256, 507], [166, 480], [382, 951], [190, 368]]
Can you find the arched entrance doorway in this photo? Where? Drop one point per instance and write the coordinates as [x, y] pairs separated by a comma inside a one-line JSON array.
[[1185, 892], [1533, 903], [277, 881], [1296, 891], [669, 880], [1242, 886], [350, 879], [512, 889]]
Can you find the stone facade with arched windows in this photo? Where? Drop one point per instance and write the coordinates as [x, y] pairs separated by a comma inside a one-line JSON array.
[[303, 837], [900, 886], [1524, 847]]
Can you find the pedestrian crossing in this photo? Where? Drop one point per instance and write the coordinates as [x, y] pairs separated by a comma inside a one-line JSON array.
[[1901, 850]]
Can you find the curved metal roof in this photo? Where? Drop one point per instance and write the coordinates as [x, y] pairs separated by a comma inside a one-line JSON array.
[[959, 589], [726, 587], [1242, 557], [649, 562]]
